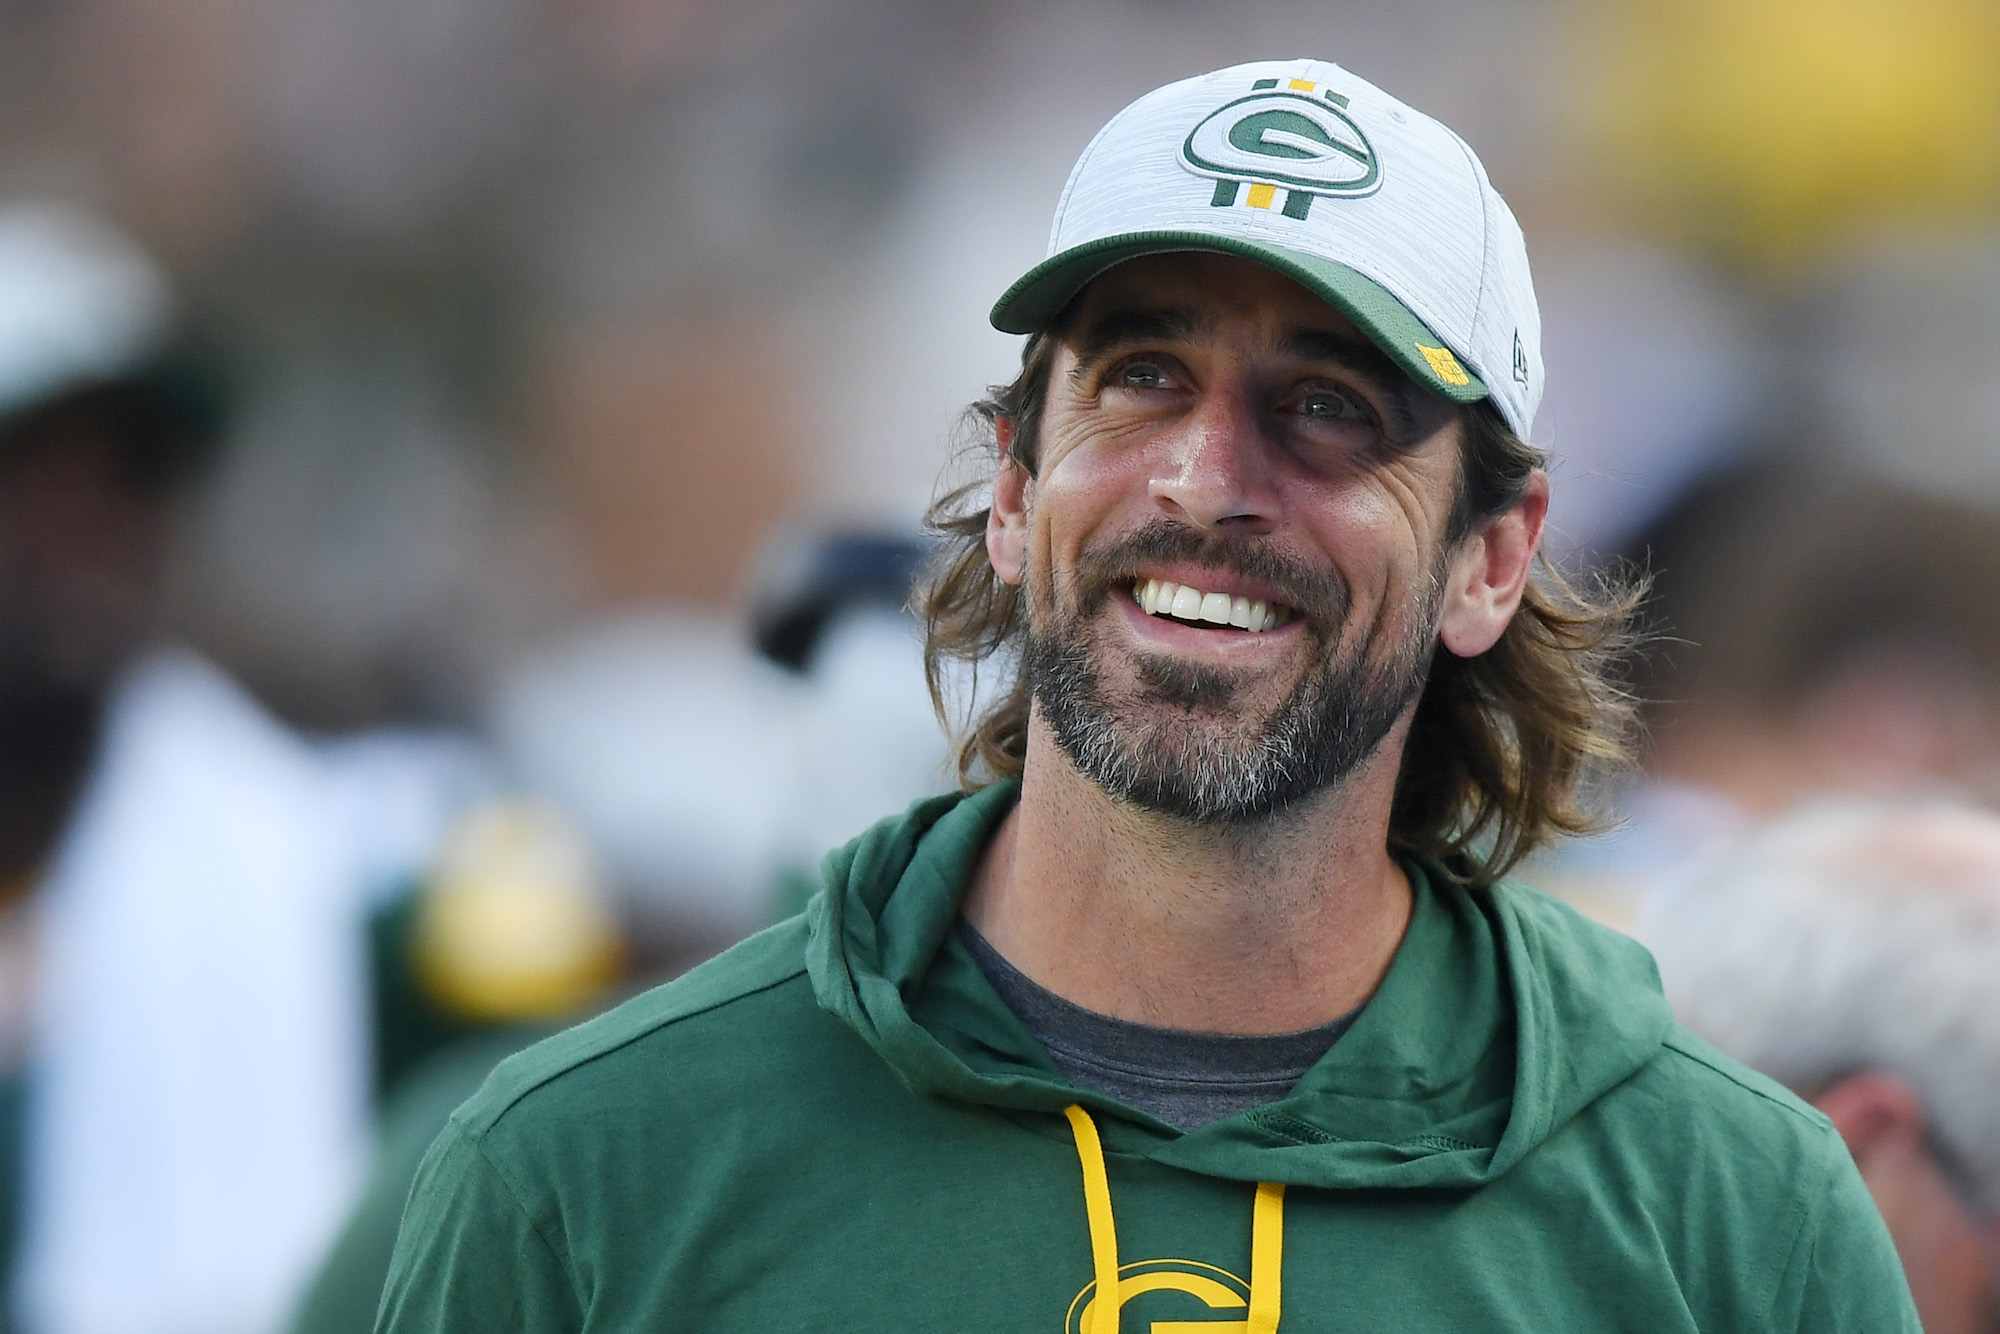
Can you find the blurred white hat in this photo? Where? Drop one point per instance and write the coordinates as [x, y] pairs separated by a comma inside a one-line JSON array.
[[78, 302]]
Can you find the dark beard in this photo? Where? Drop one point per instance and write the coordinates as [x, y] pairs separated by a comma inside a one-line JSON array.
[[1149, 751]]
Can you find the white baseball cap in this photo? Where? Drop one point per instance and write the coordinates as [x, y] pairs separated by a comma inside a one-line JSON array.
[[79, 302], [1376, 208]]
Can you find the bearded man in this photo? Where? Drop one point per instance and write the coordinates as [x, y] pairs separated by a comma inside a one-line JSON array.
[[1217, 936]]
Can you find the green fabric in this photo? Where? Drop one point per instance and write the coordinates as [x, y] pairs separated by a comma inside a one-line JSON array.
[[410, 1025], [1041, 293], [344, 1294], [14, 1102], [838, 1126]]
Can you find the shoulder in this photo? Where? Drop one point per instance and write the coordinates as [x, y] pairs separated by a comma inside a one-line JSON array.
[[582, 1134], [1724, 1161], [753, 992], [1749, 1135], [1723, 1099], [1664, 1093], [1701, 1151], [1606, 977], [1729, 1082], [1781, 1165]]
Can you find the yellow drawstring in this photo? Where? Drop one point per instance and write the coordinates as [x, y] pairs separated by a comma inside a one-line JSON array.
[[1267, 1257], [1097, 1208], [1267, 1238]]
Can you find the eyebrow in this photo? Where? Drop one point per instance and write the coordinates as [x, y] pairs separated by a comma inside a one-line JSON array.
[[1120, 328]]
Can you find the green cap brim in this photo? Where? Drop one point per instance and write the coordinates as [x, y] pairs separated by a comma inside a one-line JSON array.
[[1044, 290]]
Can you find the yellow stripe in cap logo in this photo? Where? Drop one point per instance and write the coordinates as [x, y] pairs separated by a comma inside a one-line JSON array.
[[1445, 364], [1297, 141]]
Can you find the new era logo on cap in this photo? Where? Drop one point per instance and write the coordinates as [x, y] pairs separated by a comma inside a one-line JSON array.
[[1304, 167]]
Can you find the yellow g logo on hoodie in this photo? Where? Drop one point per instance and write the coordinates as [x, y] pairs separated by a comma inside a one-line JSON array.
[[1182, 1296]]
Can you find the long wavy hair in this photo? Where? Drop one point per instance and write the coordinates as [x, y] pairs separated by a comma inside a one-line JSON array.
[[1503, 745]]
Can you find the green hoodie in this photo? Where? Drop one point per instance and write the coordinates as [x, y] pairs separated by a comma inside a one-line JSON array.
[[837, 1125]]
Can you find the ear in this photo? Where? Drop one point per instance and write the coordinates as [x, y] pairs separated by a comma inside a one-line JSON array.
[[1489, 572], [1873, 1111], [1007, 520]]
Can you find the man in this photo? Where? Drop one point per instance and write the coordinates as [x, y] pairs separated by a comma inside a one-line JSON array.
[[1851, 949], [183, 1075], [1207, 1012], [184, 985]]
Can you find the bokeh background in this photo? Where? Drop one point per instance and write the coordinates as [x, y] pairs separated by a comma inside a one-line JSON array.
[[593, 362], [546, 311]]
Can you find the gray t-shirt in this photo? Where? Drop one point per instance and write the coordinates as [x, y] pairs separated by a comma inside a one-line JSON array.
[[1186, 1079]]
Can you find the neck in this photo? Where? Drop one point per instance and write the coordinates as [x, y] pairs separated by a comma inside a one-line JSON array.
[[1266, 928]]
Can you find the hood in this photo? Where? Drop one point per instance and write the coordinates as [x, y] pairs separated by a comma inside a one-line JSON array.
[[1502, 1016]]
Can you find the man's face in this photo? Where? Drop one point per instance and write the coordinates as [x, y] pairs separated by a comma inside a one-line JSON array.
[[1213, 427], [81, 554]]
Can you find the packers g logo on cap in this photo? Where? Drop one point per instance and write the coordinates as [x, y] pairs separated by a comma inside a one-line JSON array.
[[1298, 138], [1181, 1295]]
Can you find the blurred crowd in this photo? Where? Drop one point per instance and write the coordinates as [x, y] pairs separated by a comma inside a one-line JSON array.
[[461, 465]]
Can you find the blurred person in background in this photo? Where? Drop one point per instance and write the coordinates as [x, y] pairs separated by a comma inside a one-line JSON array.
[[507, 936], [1825, 633], [193, 1025], [712, 765], [1851, 951], [1817, 634]]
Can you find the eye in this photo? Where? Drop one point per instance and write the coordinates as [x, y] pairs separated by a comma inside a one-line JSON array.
[[1139, 375], [1333, 405]]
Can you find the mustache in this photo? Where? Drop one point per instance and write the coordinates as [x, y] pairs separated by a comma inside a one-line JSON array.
[[1319, 595]]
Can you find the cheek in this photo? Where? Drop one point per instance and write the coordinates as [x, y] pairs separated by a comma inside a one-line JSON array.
[[1080, 492], [1385, 553], [1370, 535], [1096, 453]]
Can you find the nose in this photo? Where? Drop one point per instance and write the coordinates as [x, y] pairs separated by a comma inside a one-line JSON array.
[[1214, 469]]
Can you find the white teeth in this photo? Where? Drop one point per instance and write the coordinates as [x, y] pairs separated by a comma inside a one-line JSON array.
[[1158, 597]]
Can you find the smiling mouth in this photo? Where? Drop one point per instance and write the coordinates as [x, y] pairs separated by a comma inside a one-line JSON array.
[[1179, 602]]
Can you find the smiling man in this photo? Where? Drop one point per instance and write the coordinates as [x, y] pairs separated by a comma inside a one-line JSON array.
[[1206, 1007]]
